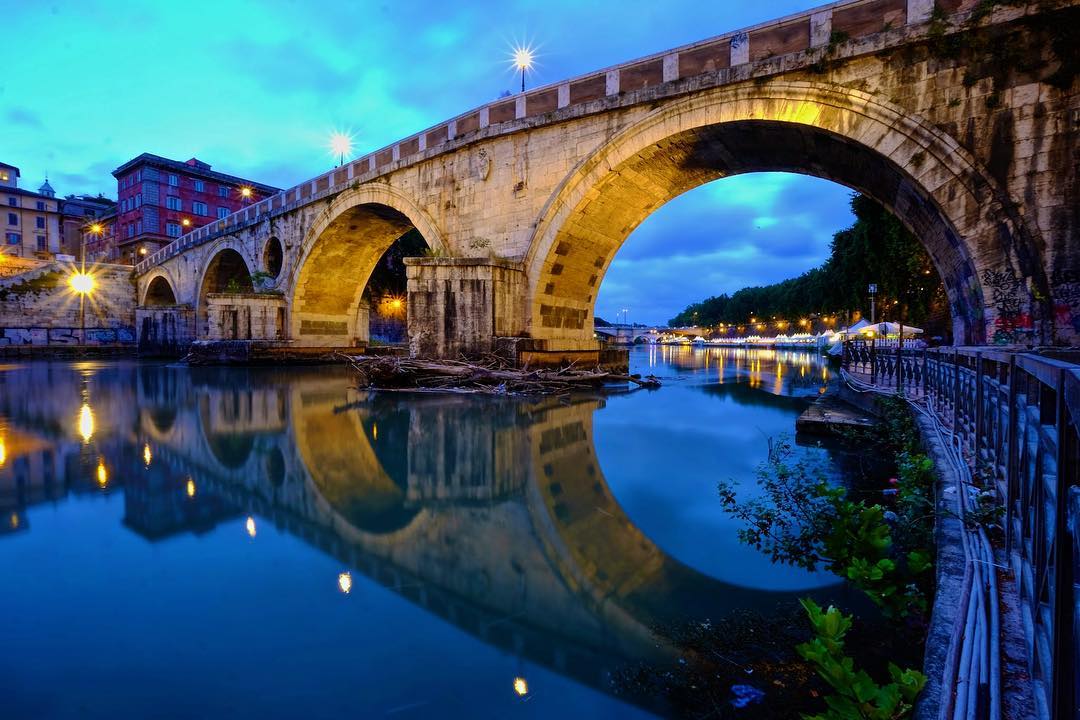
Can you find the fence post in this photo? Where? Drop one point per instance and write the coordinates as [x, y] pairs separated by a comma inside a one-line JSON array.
[[977, 435], [1061, 704], [956, 392], [873, 362], [1011, 479], [925, 378]]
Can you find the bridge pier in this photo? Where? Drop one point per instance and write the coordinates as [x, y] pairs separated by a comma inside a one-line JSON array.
[[459, 306], [164, 330]]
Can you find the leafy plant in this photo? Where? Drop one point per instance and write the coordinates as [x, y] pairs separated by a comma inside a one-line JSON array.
[[858, 696], [233, 286], [802, 519]]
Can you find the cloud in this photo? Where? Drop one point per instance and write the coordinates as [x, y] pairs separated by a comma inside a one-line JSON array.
[[23, 116]]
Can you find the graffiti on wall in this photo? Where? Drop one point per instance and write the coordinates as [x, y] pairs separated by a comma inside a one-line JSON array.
[[1066, 285], [1011, 323]]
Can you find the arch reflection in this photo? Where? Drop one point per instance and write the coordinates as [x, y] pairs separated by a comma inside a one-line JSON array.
[[492, 514]]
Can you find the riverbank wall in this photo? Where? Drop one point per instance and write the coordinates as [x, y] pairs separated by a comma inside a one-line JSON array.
[[40, 314]]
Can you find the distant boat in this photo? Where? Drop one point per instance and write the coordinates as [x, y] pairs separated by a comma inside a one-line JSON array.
[[699, 340]]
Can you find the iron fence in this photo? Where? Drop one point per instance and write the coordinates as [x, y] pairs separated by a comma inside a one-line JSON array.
[[1017, 415]]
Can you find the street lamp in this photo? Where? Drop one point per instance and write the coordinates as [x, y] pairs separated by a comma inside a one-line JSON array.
[[523, 60], [82, 284], [340, 146]]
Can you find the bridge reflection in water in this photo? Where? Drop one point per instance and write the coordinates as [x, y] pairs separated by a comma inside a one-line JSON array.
[[492, 514]]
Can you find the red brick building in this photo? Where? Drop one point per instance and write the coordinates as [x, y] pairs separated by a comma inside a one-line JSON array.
[[158, 200]]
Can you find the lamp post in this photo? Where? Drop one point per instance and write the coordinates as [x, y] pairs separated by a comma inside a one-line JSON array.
[[523, 60], [340, 146], [873, 291]]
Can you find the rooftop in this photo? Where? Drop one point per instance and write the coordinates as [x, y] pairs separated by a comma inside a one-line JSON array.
[[191, 167]]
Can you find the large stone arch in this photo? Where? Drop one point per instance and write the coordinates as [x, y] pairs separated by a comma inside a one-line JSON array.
[[337, 255], [989, 259], [227, 258]]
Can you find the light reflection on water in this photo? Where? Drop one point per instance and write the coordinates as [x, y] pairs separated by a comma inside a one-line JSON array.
[[302, 548]]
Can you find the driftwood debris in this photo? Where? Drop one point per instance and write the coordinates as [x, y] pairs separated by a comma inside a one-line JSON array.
[[388, 372]]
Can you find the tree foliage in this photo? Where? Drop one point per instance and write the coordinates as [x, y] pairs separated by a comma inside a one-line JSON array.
[[877, 248]]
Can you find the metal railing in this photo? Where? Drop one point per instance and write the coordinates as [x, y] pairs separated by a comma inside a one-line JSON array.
[[1017, 416]]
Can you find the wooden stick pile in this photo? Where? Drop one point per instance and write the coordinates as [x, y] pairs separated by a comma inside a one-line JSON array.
[[491, 377]]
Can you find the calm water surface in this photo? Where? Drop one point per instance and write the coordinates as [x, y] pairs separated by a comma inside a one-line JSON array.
[[182, 542]]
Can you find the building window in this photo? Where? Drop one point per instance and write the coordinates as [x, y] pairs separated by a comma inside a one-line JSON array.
[[13, 201], [138, 176], [41, 243], [222, 213], [138, 200], [12, 219], [199, 186], [40, 222], [14, 238], [199, 208], [138, 227], [173, 203], [174, 181], [172, 229], [40, 204], [223, 191]]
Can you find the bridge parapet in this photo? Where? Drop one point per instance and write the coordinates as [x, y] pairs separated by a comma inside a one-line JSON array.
[[832, 29]]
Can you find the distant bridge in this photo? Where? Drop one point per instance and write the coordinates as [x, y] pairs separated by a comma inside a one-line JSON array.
[[525, 200]]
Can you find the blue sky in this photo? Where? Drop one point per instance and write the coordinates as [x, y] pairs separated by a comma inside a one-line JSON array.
[[255, 88]]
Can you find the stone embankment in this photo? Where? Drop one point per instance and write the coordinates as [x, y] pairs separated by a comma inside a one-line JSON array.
[[39, 312]]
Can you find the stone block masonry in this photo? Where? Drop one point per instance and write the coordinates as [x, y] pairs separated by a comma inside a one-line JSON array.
[[961, 122], [38, 310]]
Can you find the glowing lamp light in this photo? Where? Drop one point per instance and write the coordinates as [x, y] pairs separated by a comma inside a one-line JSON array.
[[82, 283], [86, 422], [344, 582], [521, 687], [396, 304], [341, 145], [190, 488], [3, 452], [250, 526], [185, 222], [96, 228], [245, 192], [102, 473], [147, 456], [523, 58]]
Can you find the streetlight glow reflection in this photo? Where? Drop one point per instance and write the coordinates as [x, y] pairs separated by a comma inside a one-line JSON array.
[[190, 488], [250, 526], [344, 582], [86, 422], [147, 456], [521, 686], [102, 473]]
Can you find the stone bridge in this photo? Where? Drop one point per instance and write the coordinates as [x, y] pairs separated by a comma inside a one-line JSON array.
[[960, 117]]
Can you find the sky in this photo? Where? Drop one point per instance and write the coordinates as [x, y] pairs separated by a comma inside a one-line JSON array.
[[256, 88]]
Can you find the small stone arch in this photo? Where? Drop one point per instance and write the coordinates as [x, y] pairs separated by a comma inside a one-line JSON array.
[[159, 289], [159, 293], [970, 228], [273, 257], [226, 261], [337, 255]]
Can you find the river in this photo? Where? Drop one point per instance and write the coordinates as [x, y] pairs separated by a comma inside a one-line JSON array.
[[201, 542]]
